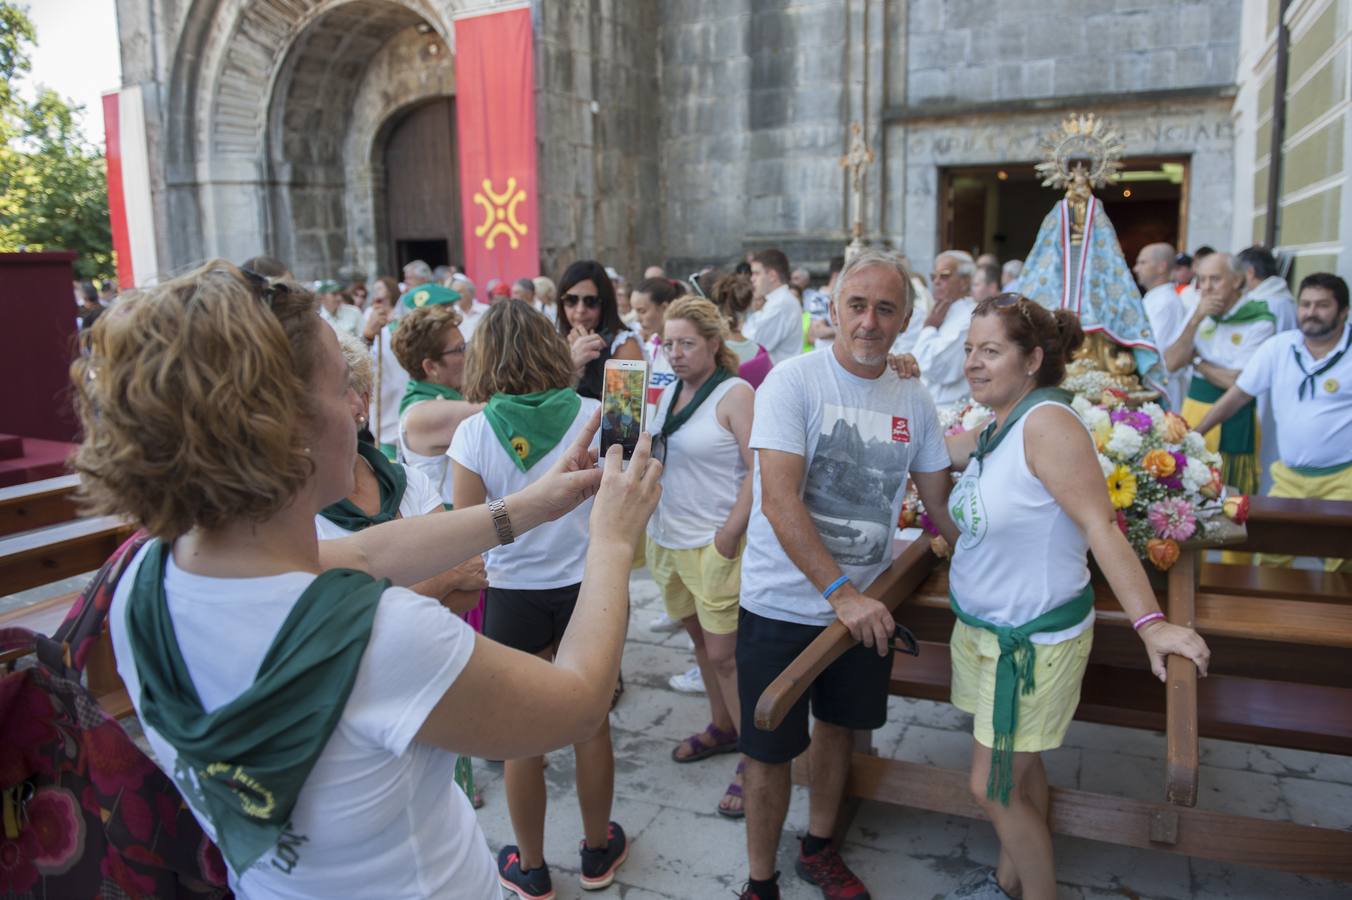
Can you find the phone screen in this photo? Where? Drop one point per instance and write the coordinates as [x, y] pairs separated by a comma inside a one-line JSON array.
[[622, 408]]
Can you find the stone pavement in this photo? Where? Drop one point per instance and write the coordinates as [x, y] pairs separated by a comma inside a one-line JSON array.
[[681, 848]]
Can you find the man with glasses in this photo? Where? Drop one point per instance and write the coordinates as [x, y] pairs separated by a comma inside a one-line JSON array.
[[938, 346], [836, 433], [778, 324]]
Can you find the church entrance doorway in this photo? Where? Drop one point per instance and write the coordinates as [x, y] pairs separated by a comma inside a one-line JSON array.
[[997, 209], [422, 186]]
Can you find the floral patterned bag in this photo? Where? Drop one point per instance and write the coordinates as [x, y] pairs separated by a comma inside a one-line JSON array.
[[83, 812]]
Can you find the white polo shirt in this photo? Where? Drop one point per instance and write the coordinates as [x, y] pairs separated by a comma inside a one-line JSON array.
[[1231, 345], [1314, 431]]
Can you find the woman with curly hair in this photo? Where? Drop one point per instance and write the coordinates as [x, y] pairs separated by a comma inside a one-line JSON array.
[[317, 750]]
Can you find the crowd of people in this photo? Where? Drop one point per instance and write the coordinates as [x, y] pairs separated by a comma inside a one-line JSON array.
[[429, 461]]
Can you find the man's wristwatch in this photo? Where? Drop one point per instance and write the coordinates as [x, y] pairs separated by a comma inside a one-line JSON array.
[[501, 522]]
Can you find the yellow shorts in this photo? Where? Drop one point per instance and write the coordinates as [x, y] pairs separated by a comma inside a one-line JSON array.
[[1045, 714], [698, 582]]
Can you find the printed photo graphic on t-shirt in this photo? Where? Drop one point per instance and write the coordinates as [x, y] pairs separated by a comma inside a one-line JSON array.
[[856, 471]]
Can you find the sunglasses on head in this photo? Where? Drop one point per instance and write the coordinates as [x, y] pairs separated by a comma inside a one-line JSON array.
[[1010, 300], [571, 300]]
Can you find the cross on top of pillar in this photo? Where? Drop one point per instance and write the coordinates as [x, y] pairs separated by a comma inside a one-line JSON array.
[[855, 163]]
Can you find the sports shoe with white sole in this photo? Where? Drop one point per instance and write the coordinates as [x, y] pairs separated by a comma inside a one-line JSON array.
[[688, 682]]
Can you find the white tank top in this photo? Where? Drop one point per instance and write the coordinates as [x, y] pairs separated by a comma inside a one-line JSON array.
[[1020, 554], [701, 476], [436, 468]]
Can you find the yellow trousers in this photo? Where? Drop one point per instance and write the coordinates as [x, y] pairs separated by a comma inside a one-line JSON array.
[[1286, 483]]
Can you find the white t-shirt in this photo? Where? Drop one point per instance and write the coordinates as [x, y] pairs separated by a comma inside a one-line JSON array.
[[420, 497], [379, 815], [1315, 431], [660, 374], [469, 321], [778, 325], [347, 319], [392, 381], [1168, 317], [550, 555], [859, 438]]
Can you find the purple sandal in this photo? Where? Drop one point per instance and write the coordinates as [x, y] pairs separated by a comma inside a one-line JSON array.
[[723, 742], [734, 790]]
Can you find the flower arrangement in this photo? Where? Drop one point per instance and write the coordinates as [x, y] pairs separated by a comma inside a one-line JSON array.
[[1162, 480]]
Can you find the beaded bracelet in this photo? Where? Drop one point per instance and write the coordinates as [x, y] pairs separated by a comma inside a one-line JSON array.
[[1147, 619], [834, 586]]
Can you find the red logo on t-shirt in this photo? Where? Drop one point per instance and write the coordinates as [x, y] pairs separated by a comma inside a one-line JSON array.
[[901, 430]]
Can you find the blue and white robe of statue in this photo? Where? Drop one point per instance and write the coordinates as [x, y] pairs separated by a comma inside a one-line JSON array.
[[1100, 288]]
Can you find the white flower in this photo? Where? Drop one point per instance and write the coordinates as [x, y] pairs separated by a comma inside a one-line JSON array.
[[1194, 444], [1081, 405], [1106, 464], [1095, 416], [1124, 442], [1155, 412], [1195, 474], [975, 417]]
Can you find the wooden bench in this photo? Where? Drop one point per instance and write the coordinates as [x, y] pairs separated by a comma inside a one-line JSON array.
[[1279, 676], [58, 544]]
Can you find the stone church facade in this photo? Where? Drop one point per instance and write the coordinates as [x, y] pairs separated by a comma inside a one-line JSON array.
[[683, 132]]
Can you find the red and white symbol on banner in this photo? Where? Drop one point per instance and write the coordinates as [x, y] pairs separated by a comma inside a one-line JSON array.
[[901, 430]]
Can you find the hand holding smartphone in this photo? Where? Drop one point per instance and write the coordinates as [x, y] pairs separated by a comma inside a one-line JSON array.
[[622, 406]]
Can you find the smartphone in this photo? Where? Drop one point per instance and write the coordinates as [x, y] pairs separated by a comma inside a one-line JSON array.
[[622, 406]]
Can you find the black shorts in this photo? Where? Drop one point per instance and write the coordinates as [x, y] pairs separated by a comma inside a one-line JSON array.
[[528, 620], [851, 692]]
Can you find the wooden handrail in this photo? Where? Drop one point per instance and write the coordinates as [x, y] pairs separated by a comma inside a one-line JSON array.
[[1183, 753], [907, 572]]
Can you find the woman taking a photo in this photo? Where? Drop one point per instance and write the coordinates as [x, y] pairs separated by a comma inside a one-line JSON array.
[[316, 750], [1032, 491], [695, 536], [521, 369], [590, 320]]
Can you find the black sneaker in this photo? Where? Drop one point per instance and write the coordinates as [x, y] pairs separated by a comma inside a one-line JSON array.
[[531, 885], [598, 866], [750, 894]]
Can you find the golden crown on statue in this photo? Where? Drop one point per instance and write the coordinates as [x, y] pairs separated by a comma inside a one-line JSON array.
[[1082, 149]]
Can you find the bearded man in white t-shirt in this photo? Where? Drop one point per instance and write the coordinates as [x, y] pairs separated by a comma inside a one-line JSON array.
[[835, 433]]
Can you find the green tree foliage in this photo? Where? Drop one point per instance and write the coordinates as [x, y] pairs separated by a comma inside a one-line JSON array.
[[53, 184]]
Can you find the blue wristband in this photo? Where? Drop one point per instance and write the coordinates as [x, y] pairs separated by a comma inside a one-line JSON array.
[[834, 586]]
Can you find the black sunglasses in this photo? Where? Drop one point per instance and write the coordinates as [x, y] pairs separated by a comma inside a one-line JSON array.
[[571, 300]]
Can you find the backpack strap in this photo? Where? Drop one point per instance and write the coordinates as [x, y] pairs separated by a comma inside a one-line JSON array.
[[68, 648]]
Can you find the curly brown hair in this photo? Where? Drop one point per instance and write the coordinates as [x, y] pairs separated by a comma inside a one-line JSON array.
[[421, 334], [516, 351], [193, 401]]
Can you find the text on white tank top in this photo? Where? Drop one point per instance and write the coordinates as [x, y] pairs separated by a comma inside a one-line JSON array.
[[701, 476], [1020, 554], [436, 468]]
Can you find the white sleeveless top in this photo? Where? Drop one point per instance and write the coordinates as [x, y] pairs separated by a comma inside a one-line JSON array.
[[701, 476], [1020, 554], [436, 468]]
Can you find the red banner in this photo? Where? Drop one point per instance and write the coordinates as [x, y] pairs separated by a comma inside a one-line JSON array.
[[117, 204], [495, 131]]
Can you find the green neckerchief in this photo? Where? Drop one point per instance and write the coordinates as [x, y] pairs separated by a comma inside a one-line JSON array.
[[990, 438], [674, 421], [1014, 676], [1307, 383], [392, 480], [530, 425], [245, 763], [417, 391], [1239, 432], [1253, 311]]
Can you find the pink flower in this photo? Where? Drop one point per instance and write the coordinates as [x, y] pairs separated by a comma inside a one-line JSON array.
[[56, 822], [1172, 519]]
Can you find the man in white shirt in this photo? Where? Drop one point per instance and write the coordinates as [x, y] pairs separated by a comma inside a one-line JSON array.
[[391, 379], [938, 345], [1261, 282], [778, 324], [1307, 372], [1153, 270], [471, 310], [344, 318]]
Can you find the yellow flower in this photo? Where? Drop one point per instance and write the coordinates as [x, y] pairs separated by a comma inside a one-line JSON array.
[[1102, 430], [1121, 487]]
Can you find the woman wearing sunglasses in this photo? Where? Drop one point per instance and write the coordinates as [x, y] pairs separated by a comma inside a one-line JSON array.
[[590, 320], [1029, 507]]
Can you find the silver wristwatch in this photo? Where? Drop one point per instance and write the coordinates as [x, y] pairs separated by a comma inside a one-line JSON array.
[[501, 522]]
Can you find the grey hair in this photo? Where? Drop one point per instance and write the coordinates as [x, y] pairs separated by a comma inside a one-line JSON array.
[[1231, 262], [544, 288], [360, 374], [419, 269], [966, 265], [874, 257], [1013, 268], [526, 284]]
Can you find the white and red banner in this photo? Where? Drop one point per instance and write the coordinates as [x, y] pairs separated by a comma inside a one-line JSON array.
[[129, 207], [495, 133]]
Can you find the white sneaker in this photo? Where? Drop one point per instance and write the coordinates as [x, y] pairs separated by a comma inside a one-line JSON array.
[[664, 622], [688, 682]]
